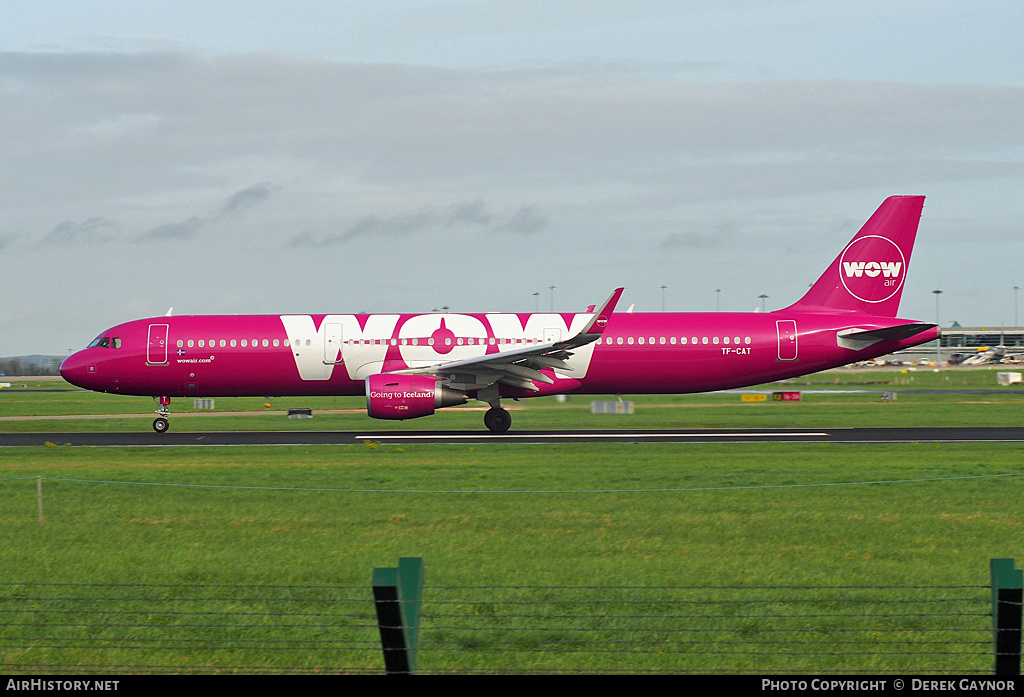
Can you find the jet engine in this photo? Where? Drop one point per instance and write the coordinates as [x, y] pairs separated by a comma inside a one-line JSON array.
[[407, 396]]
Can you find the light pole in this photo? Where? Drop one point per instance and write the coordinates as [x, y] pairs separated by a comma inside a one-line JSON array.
[[663, 287], [938, 325], [718, 299], [1015, 289], [536, 301], [552, 289], [763, 298]]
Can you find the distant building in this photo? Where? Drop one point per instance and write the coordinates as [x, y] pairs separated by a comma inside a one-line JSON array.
[[982, 337]]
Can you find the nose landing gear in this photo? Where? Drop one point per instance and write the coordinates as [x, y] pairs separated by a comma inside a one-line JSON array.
[[160, 423]]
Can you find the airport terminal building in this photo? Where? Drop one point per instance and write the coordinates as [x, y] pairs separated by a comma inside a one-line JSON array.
[[960, 343]]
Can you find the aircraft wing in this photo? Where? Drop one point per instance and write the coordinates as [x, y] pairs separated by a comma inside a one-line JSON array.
[[521, 367]]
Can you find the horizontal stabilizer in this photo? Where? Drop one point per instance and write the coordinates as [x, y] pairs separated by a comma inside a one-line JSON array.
[[857, 339]]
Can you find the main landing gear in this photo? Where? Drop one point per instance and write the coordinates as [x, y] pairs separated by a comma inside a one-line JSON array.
[[497, 420], [160, 423]]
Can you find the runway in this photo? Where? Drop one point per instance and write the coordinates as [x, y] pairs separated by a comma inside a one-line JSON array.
[[736, 435]]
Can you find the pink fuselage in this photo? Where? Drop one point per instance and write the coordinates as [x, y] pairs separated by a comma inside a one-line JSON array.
[[642, 353]]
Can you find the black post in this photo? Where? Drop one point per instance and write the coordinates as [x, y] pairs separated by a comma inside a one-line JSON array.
[[1007, 601], [396, 594]]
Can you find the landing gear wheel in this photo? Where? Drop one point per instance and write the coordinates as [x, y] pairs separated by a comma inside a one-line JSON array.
[[160, 425], [497, 420]]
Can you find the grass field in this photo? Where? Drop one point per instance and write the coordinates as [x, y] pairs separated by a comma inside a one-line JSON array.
[[567, 515]]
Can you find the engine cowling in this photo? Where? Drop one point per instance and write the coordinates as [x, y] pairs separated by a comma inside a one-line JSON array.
[[407, 396]]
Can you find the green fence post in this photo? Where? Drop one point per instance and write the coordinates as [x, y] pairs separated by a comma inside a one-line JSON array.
[[1007, 599], [397, 594]]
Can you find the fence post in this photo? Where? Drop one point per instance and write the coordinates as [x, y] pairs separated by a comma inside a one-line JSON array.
[[1007, 598], [397, 593]]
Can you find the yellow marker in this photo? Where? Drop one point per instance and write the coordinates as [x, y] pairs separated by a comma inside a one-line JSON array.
[[754, 397]]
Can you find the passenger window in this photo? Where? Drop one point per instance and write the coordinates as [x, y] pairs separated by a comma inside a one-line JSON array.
[[266, 343], [202, 343], [191, 343], [277, 342]]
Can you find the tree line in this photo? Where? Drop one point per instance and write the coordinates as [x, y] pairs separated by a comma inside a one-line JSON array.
[[36, 365]]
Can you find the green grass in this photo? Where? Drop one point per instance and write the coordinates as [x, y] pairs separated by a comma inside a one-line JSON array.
[[564, 515], [500, 516], [998, 406]]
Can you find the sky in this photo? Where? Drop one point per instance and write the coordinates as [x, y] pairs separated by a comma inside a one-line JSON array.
[[403, 156]]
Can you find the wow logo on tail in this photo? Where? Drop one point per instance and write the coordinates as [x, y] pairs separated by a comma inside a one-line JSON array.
[[871, 268]]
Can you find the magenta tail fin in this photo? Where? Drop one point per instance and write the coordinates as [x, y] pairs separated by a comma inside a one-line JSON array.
[[867, 277]]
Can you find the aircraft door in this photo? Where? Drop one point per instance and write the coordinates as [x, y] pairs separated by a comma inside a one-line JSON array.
[[156, 346], [333, 344], [786, 329]]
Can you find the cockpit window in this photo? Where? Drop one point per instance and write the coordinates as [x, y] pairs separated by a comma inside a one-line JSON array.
[[106, 342]]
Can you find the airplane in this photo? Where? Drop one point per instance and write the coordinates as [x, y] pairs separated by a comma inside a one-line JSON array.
[[989, 354], [409, 365]]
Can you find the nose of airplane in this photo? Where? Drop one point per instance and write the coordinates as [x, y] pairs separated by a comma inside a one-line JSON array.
[[78, 369]]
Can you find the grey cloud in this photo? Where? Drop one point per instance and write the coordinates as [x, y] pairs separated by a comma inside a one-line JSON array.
[[525, 221], [180, 117], [185, 230], [695, 241], [246, 199], [91, 231], [234, 208], [469, 216], [474, 213]]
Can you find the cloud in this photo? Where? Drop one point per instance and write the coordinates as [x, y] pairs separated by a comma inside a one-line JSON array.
[[184, 230], [234, 208], [91, 231], [525, 221], [246, 199], [473, 216], [621, 168], [694, 241]]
